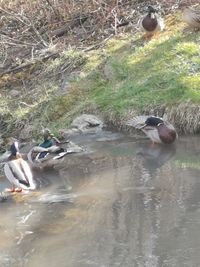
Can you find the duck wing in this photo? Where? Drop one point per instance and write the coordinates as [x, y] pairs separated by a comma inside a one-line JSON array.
[[35, 152], [137, 122], [55, 149]]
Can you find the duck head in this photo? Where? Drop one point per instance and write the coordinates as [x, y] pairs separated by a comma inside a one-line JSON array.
[[14, 149], [151, 12], [46, 134], [153, 121]]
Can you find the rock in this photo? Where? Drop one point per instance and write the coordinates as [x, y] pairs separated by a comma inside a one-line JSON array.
[[108, 72], [14, 93], [87, 123], [83, 124]]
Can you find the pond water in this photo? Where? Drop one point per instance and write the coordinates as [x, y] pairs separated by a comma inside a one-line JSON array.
[[123, 203]]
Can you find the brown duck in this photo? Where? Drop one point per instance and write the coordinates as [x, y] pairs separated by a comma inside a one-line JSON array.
[[151, 22]]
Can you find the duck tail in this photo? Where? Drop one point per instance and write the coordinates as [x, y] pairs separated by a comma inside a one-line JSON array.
[[138, 122]]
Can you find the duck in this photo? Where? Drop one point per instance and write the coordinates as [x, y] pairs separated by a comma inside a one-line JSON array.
[[191, 16], [48, 151], [41, 157], [157, 129], [151, 23], [18, 171]]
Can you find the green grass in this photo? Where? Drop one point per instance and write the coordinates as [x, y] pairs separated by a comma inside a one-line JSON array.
[[164, 71]]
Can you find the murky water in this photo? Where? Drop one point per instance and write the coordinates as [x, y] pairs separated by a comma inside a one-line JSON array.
[[124, 203]]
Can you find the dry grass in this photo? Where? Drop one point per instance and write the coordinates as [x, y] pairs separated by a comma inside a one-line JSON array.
[[186, 117]]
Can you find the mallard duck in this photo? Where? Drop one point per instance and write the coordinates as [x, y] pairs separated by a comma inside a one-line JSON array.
[[192, 17], [18, 171], [40, 156], [157, 129], [151, 22]]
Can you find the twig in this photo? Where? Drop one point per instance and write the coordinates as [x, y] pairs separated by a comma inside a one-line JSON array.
[[15, 40], [97, 45], [26, 21], [26, 65], [27, 105], [56, 12]]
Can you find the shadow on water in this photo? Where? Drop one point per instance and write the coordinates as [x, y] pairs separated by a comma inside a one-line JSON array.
[[123, 203]]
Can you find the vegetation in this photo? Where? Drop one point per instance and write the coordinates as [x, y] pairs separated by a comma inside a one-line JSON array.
[[116, 77]]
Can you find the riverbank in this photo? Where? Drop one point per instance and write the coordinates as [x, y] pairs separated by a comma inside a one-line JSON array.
[[121, 77]]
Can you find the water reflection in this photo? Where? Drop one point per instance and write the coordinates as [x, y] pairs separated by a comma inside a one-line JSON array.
[[125, 204], [155, 156]]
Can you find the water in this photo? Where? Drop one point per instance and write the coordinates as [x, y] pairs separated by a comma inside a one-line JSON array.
[[123, 203]]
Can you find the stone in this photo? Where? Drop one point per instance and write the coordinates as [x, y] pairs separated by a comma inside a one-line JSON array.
[[88, 123], [14, 93], [108, 72]]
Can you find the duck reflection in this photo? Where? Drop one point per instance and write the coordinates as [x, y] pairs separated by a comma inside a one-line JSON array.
[[155, 156]]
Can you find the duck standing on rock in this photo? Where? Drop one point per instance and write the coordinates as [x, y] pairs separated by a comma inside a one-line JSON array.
[[157, 129], [18, 171], [151, 23]]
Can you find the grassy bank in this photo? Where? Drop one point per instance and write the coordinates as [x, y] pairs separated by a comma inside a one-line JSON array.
[[125, 76]]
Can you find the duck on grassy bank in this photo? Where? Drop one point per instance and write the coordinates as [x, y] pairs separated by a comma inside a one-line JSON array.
[[151, 23]]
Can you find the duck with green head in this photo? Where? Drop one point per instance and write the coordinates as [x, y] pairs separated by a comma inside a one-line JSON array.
[[157, 129], [48, 151]]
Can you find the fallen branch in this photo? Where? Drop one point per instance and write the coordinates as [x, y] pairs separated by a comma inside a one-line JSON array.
[[64, 29], [26, 65]]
